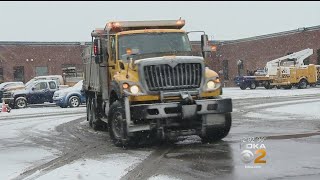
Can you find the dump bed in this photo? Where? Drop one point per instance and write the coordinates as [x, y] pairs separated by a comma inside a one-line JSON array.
[[91, 80]]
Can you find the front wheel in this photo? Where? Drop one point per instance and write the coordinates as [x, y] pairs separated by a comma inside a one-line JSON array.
[[243, 86], [303, 84], [217, 133], [21, 102], [253, 85], [117, 125]]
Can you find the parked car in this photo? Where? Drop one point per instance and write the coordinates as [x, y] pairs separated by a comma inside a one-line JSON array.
[[8, 86], [72, 96], [34, 93], [57, 78]]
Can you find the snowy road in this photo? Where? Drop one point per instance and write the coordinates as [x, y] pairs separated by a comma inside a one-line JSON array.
[[54, 143]]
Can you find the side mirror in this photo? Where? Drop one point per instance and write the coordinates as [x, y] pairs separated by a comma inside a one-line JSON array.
[[205, 47], [97, 51]]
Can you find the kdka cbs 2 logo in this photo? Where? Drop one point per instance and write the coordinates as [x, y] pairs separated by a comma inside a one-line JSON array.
[[253, 152]]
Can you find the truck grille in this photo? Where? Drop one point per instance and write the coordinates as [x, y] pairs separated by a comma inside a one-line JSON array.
[[165, 77]]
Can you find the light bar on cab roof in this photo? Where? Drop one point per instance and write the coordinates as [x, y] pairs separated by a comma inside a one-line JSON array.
[[135, 25], [97, 32]]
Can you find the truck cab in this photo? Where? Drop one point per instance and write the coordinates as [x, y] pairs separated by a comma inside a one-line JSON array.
[[141, 77]]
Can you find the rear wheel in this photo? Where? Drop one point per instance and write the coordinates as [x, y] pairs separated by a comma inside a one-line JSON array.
[[88, 111], [267, 85], [287, 87], [219, 132], [93, 118]]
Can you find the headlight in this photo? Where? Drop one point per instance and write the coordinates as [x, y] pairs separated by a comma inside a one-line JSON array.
[[134, 89], [211, 85]]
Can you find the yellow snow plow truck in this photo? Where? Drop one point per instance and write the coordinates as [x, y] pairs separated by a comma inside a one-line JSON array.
[[142, 81]]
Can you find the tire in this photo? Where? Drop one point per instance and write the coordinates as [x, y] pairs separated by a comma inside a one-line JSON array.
[[63, 106], [74, 101], [267, 85], [287, 87], [117, 125], [278, 87], [243, 86], [253, 85], [88, 110], [20, 102], [303, 84], [93, 119], [214, 134]]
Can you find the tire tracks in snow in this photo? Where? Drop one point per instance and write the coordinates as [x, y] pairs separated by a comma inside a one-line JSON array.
[[74, 147]]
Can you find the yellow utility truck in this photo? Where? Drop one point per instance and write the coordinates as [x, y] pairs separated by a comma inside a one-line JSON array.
[[143, 81], [291, 71], [284, 72]]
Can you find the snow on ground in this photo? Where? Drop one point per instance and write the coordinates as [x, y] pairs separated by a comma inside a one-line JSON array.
[[17, 159], [311, 109], [17, 154], [41, 111], [106, 167], [162, 177], [237, 93]]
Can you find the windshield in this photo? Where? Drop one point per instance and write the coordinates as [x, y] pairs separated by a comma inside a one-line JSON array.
[[154, 43], [30, 82]]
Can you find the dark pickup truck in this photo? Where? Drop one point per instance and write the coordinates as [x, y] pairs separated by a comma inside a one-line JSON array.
[[246, 81], [35, 93]]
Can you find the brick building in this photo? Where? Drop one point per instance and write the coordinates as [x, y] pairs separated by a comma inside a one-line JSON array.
[[21, 61], [255, 52]]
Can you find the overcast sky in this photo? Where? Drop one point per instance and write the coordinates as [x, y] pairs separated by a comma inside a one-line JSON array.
[[73, 21]]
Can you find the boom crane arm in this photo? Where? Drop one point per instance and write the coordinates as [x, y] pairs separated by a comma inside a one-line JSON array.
[[299, 57]]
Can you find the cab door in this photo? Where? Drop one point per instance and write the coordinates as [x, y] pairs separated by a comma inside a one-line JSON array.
[[112, 56], [49, 93], [37, 93]]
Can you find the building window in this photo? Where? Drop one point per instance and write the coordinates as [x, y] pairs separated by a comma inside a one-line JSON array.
[[18, 73], [225, 66], [1, 75], [318, 56], [42, 71]]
